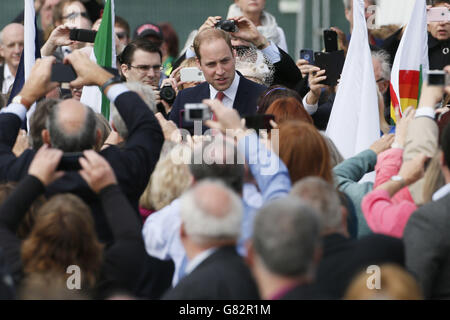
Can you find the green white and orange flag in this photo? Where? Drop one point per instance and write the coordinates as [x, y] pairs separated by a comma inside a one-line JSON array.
[[411, 62], [104, 54]]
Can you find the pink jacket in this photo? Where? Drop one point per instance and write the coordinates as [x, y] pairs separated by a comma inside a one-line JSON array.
[[384, 214]]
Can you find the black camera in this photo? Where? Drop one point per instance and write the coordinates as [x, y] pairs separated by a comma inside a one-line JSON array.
[[227, 25], [168, 94]]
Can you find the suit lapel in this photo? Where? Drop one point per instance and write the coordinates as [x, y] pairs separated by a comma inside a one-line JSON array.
[[241, 100]]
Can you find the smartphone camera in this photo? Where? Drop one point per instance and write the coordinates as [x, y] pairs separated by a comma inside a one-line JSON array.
[[196, 112], [436, 78]]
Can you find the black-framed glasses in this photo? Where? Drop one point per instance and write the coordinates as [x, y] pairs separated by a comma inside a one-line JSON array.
[[146, 67], [381, 79]]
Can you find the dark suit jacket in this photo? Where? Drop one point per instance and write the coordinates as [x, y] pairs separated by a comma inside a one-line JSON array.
[[427, 246], [344, 258], [245, 101], [2, 69], [221, 276], [132, 164]]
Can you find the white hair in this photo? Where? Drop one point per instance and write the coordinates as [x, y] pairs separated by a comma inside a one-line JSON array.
[[384, 59], [203, 226], [146, 93]]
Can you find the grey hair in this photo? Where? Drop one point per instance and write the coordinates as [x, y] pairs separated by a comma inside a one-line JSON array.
[[146, 93], [323, 197], [204, 227], [286, 236], [83, 139], [384, 58], [220, 166]]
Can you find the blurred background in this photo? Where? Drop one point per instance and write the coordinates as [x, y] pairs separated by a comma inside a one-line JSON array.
[[302, 20]]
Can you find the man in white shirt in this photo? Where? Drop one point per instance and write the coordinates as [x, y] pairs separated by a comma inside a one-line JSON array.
[[11, 46]]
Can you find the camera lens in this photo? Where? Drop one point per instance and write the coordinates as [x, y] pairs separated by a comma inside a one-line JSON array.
[[168, 94]]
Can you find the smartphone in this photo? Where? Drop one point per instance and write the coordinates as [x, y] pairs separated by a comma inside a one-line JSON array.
[[330, 40], [307, 54], [197, 112], [259, 121], [69, 161], [191, 74], [438, 14], [62, 73], [436, 78], [332, 63], [83, 35]]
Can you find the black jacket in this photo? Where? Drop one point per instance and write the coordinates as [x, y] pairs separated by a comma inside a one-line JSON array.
[[221, 276], [132, 164]]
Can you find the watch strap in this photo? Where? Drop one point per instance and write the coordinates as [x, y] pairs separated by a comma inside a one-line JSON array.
[[115, 79]]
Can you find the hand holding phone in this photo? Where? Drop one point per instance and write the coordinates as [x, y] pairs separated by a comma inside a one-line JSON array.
[[333, 63], [308, 55]]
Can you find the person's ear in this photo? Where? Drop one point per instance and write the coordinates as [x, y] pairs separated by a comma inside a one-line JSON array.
[[45, 134], [124, 69]]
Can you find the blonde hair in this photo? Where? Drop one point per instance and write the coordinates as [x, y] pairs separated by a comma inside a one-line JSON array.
[[395, 284], [168, 181]]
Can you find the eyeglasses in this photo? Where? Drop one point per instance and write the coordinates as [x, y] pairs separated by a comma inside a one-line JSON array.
[[145, 67], [121, 35], [381, 79]]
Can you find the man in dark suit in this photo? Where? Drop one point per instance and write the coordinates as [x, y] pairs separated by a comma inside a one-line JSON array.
[[285, 249], [217, 61], [72, 129], [343, 258], [209, 231], [427, 236]]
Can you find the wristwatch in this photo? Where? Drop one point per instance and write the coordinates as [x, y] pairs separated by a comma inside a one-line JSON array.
[[20, 100], [398, 178], [115, 79]]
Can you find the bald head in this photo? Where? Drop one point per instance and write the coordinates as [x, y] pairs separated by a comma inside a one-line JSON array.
[[71, 126], [11, 45], [211, 212]]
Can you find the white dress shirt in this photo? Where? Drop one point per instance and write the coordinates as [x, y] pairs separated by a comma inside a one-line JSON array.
[[198, 259], [8, 79], [230, 93]]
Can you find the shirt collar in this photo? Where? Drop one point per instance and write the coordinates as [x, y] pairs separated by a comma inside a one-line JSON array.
[[198, 259], [7, 72], [230, 92], [442, 192]]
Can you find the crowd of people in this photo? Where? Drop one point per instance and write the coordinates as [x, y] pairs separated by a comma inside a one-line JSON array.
[[149, 204]]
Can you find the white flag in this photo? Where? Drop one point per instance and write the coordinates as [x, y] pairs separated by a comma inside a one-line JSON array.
[[354, 121]]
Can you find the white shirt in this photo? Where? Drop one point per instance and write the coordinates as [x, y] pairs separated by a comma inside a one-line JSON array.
[[230, 93], [8, 79], [198, 259], [310, 108], [442, 192]]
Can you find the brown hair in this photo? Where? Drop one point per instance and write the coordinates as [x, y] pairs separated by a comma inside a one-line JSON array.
[[288, 109], [63, 235], [208, 35], [170, 37], [395, 284], [273, 93], [304, 151]]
